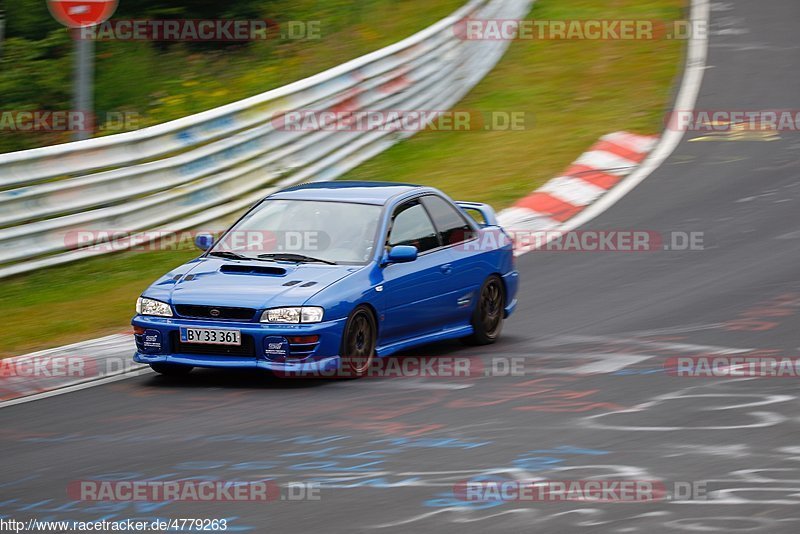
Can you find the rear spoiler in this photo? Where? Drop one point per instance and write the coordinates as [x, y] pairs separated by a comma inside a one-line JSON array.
[[486, 212]]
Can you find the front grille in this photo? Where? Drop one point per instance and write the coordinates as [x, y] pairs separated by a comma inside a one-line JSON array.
[[247, 348], [225, 312]]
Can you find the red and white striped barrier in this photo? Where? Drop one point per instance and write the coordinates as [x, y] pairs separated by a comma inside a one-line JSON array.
[[590, 177]]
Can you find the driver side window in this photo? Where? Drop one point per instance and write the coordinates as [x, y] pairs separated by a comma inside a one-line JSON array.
[[412, 226]]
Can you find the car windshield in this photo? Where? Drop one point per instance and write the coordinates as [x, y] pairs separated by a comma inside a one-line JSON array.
[[304, 231]]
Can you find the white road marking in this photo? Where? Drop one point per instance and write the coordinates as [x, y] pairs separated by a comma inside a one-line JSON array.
[[761, 419], [678, 347], [416, 383], [609, 363], [76, 387]]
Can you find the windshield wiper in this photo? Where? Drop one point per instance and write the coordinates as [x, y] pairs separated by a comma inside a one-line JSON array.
[[230, 255], [300, 258]]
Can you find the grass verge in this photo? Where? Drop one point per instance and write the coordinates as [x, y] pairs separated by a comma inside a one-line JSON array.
[[575, 90]]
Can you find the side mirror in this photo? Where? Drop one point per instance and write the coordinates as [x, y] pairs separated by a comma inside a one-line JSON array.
[[204, 241], [402, 254]]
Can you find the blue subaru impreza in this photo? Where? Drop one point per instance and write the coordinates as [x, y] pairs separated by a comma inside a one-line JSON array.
[[325, 277]]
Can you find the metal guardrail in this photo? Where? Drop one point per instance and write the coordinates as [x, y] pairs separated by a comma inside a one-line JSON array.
[[193, 170]]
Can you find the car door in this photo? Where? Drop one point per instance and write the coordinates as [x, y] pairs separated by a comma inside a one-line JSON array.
[[468, 271], [414, 304]]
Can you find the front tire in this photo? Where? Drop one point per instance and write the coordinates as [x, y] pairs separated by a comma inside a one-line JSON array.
[[487, 319], [172, 370], [359, 342]]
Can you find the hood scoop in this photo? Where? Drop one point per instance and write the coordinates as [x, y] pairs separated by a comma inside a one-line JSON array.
[[252, 269]]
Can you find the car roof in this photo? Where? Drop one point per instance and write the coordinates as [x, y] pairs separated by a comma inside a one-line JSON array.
[[378, 193]]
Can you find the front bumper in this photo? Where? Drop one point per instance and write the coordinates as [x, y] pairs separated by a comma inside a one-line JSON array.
[[160, 343]]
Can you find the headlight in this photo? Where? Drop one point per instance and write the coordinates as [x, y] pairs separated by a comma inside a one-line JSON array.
[[153, 307], [305, 314]]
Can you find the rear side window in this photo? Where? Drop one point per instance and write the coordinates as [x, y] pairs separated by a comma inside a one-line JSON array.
[[412, 226], [452, 225]]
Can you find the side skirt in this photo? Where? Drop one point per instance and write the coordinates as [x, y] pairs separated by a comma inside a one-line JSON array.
[[448, 333]]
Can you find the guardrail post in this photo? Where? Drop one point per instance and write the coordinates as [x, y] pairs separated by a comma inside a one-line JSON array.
[[84, 84]]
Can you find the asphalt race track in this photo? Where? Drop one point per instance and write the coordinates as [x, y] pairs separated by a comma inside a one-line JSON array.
[[594, 329]]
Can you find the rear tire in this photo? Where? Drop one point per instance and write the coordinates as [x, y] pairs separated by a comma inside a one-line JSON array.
[[169, 369], [487, 319], [358, 343]]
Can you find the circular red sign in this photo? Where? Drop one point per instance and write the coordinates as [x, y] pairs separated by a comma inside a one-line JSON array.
[[82, 13]]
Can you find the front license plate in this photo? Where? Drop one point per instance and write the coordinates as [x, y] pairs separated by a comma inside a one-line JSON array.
[[211, 336]]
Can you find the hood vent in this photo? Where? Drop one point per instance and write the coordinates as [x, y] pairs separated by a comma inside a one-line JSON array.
[[252, 269], [308, 284], [291, 283]]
